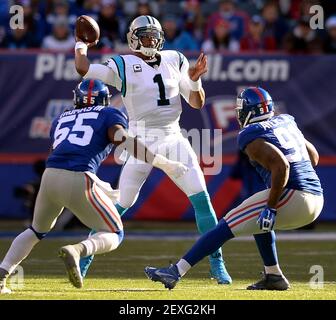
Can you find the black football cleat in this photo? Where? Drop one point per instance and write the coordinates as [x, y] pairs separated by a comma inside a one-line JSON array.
[[271, 282]]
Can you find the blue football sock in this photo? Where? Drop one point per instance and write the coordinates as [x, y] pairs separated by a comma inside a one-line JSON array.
[[121, 210], [209, 242], [267, 247], [205, 215]]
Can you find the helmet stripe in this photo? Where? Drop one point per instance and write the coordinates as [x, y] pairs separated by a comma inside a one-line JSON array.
[[263, 101], [148, 19], [90, 92]]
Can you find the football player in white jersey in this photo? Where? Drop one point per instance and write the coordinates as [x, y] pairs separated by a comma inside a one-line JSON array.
[[151, 82]]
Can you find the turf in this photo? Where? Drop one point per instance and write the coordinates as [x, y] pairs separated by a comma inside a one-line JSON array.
[[119, 274]]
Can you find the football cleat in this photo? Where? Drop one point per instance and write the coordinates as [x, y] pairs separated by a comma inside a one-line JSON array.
[[219, 272], [70, 257], [3, 277], [271, 282], [84, 264], [3, 288], [168, 276]]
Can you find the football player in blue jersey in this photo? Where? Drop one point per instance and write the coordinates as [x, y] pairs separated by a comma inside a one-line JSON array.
[[81, 139], [293, 197]]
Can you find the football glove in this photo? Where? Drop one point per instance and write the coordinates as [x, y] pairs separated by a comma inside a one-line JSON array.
[[173, 169], [266, 219]]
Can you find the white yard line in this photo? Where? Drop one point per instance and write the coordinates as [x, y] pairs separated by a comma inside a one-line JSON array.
[[175, 236]]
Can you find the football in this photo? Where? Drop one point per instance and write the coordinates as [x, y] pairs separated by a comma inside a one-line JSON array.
[[87, 29]]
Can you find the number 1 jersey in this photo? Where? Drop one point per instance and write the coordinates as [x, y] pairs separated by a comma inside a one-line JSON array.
[[150, 92], [282, 132], [79, 138]]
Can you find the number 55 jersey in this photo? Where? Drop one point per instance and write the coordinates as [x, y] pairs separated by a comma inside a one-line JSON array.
[[79, 138], [282, 132]]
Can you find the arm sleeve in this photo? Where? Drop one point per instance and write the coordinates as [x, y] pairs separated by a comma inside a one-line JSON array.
[[184, 82], [106, 72]]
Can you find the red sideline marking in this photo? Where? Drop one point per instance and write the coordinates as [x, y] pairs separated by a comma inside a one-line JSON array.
[[225, 195], [21, 158], [327, 161], [30, 158], [165, 196]]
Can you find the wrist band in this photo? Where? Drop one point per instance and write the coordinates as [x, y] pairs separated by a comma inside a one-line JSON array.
[[195, 85], [81, 45]]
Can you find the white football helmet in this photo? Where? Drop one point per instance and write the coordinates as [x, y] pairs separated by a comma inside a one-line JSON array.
[[145, 26]]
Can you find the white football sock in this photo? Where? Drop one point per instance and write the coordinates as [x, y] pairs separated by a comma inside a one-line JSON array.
[[183, 267], [20, 248], [101, 242], [273, 270]]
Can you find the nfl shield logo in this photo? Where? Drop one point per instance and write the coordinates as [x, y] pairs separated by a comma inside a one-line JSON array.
[[137, 68]]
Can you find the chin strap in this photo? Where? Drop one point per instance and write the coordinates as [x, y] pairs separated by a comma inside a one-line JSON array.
[[247, 119], [257, 119]]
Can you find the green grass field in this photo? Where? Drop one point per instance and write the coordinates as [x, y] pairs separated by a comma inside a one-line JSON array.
[[119, 274]]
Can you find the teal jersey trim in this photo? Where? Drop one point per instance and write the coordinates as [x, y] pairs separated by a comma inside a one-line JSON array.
[[120, 63], [181, 59]]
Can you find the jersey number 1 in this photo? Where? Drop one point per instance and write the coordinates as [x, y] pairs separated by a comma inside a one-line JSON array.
[[162, 101]]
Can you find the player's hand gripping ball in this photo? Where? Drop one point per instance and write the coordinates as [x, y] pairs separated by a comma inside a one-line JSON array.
[[87, 30]]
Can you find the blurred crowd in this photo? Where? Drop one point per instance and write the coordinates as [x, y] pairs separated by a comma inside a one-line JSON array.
[[209, 25]]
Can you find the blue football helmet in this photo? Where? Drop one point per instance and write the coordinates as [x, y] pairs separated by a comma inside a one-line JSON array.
[[90, 93], [254, 104]]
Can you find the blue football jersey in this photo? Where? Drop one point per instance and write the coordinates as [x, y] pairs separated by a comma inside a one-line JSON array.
[[79, 138], [282, 132]]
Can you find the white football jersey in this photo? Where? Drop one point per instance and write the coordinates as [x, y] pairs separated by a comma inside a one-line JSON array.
[[151, 95]]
